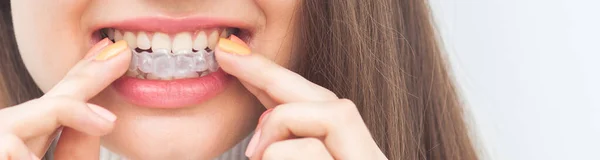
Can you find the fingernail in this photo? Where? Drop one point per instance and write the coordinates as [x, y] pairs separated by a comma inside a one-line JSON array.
[[102, 112], [263, 116], [253, 143], [237, 40], [111, 50], [103, 43], [229, 46]]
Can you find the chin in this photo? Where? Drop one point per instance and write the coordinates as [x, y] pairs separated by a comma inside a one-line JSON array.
[[202, 131]]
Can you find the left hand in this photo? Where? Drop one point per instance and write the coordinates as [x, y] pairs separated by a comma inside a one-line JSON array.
[[303, 120]]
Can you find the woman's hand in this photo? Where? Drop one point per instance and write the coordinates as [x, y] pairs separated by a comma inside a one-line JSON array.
[[27, 129], [303, 120]]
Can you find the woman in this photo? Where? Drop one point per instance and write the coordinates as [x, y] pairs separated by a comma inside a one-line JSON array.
[[190, 79]]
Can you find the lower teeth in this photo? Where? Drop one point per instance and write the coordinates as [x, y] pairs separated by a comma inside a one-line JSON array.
[[161, 64]]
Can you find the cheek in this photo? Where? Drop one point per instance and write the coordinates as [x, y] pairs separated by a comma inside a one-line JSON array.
[[49, 36], [275, 39]]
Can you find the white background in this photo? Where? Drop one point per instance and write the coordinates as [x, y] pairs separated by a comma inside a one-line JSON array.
[[529, 70]]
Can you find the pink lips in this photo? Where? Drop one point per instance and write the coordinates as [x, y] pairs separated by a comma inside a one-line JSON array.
[[173, 93]]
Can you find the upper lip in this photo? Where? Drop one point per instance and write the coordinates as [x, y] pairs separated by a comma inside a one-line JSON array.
[[174, 25]]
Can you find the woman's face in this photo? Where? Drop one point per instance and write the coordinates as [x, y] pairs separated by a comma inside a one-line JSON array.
[[153, 122]]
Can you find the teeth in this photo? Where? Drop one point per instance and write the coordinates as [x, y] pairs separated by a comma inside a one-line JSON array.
[[223, 34], [155, 77], [110, 33], [161, 41], [212, 63], [145, 62], [133, 64], [213, 38], [132, 73], [189, 75], [118, 35], [204, 74], [184, 65], [152, 77], [131, 39], [200, 63], [143, 42], [166, 57], [182, 43], [162, 65], [201, 41]]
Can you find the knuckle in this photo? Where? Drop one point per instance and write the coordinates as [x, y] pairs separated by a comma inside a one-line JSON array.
[[330, 94], [277, 150], [347, 102], [285, 111], [278, 113], [324, 92], [57, 104], [310, 143], [348, 111], [9, 144], [314, 147], [297, 149], [9, 139]]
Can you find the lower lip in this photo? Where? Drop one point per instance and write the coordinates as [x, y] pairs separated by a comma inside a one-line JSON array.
[[177, 93]]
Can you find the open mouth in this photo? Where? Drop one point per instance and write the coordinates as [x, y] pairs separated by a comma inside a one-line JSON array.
[[173, 63], [162, 56]]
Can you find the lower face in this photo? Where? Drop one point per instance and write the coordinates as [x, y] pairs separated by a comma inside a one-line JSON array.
[[155, 121]]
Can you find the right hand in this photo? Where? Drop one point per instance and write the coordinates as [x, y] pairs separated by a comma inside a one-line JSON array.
[[27, 129]]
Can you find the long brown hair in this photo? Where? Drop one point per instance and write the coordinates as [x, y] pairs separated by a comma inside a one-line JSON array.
[[382, 54]]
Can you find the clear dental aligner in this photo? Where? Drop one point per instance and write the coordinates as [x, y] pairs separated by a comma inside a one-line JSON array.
[[163, 64], [162, 56]]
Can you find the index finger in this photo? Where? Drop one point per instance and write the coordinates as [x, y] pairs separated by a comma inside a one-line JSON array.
[[278, 82], [85, 80], [94, 73]]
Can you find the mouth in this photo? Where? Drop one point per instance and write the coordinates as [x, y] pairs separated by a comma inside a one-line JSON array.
[[162, 56], [170, 68]]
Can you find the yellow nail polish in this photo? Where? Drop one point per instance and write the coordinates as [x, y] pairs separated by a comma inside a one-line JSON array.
[[111, 50], [232, 47], [237, 40]]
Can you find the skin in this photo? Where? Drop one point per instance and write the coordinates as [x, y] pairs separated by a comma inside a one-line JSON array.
[[331, 127]]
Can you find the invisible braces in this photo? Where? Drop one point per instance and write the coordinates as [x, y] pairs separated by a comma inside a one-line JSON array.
[[162, 63]]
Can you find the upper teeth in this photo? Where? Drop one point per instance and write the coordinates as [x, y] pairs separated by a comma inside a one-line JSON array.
[[183, 42]]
